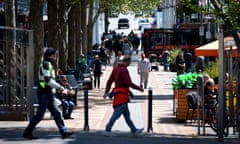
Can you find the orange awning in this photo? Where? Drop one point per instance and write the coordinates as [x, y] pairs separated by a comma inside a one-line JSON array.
[[211, 49]]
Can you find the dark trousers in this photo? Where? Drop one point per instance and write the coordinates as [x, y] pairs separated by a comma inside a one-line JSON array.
[[180, 72], [97, 80], [46, 101]]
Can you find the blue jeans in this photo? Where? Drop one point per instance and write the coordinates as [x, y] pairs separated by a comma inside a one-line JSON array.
[[121, 109], [68, 106], [45, 101]]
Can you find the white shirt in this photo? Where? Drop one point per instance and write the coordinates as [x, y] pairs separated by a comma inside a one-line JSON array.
[[143, 65]]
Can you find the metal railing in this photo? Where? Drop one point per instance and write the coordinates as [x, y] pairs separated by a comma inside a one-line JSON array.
[[16, 70]]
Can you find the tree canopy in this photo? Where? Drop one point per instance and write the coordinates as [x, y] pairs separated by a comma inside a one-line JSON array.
[[125, 6], [225, 12]]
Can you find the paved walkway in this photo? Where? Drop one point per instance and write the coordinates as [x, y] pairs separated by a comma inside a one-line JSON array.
[[100, 110]]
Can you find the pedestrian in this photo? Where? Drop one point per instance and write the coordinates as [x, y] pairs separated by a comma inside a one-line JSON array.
[[188, 60], [136, 43], [46, 94], [66, 97], [165, 59], [200, 64], [210, 93], [81, 66], [126, 48], [97, 71], [143, 68], [120, 76], [117, 46], [131, 36], [118, 59], [206, 77], [180, 63]]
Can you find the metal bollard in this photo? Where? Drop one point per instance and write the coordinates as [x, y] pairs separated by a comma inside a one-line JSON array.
[[86, 125], [150, 128]]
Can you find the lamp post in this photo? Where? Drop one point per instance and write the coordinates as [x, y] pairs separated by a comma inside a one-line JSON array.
[[208, 33]]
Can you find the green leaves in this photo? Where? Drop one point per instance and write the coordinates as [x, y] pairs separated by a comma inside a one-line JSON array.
[[227, 11], [212, 69], [187, 80], [173, 55], [126, 6]]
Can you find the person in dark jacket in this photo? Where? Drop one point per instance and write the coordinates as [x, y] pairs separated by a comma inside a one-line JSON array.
[[188, 60], [180, 63], [47, 87], [136, 43], [120, 76], [97, 71]]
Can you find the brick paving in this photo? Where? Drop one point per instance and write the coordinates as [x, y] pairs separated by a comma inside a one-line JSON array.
[[100, 109], [162, 115]]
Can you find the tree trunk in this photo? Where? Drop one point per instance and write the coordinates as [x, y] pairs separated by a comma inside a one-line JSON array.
[[9, 20], [71, 38], [84, 27], [62, 39], [53, 24], [106, 20], [36, 10], [90, 28], [78, 31]]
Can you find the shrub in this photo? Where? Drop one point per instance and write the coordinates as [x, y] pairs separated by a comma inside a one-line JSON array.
[[187, 80], [212, 69], [172, 56], [172, 59]]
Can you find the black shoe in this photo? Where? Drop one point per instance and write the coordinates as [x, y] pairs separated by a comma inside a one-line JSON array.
[[66, 134], [31, 137], [66, 118]]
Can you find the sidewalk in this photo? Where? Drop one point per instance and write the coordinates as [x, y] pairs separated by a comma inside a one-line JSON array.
[[100, 110]]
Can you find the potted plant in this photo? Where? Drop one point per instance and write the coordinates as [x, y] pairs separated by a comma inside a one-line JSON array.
[[182, 85]]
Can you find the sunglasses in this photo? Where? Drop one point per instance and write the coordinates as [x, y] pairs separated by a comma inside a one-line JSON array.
[[64, 80]]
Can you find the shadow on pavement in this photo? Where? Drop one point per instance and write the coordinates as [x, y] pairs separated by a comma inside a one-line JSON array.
[[14, 135], [146, 138], [155, 97]]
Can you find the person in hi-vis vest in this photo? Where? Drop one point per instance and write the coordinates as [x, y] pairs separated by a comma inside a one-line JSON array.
[[47, 87]]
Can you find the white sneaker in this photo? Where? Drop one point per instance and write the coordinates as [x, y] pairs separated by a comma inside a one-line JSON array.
[[138, 132], [108, 133]]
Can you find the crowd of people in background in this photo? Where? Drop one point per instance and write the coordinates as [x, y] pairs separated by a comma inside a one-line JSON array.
[[113, 42]]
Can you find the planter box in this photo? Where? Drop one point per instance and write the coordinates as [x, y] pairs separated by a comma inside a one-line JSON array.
[[182, 105]]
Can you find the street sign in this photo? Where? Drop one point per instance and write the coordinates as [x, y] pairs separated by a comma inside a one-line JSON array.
[[229, 43], [201, 31]]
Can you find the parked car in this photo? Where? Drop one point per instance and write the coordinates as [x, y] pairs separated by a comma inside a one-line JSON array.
[[123, 22], [143, 23]]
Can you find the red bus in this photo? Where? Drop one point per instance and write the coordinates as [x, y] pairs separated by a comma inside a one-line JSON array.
[[154, 41]]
